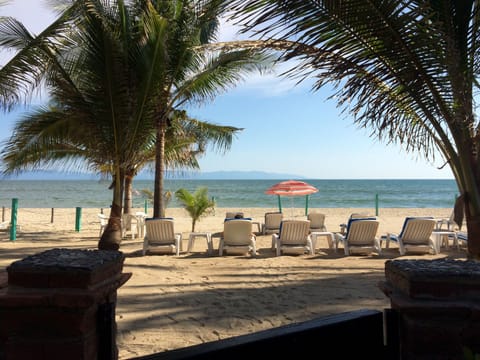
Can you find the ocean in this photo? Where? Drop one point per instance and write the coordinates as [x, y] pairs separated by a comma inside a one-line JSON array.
[[238, 193]]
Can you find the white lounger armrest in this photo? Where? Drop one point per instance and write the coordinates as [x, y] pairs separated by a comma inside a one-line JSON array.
[[338, 238]]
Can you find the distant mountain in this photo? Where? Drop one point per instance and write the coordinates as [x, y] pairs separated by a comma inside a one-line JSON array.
[[52, 175], [213, 175], [238, 175]]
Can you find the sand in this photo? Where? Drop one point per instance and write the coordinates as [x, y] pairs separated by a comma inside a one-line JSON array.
[[172, 302]]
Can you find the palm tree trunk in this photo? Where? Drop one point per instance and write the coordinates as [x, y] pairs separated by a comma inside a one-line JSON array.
[[473, 228], [465, 168], [127, 201], [112, 236], [158, 200]]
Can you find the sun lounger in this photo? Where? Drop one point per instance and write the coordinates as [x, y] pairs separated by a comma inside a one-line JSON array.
[[361, 236], [293, 238], [415, 236]]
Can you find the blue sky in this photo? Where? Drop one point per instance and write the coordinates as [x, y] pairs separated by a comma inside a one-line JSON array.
[[287, 128]]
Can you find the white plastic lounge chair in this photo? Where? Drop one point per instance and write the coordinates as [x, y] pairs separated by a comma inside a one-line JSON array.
[[130, 224], [272, 222], [344, 226], [237, 238], [449, 222], [141, 216], [103, 219], [293, 238], [241, 215], [317, 221], [415, 236], [232, 214], [361, 237], [161, 237]]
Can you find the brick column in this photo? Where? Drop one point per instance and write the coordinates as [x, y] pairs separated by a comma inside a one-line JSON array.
[[437, 306], [60, 304]]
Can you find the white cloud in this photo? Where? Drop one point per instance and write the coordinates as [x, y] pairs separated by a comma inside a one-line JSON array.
[[268, 84], [274, 83]]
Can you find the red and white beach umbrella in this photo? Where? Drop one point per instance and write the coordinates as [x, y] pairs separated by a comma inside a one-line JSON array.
[[292, 188]]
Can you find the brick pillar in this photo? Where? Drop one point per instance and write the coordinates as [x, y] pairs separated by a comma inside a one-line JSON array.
[[60, 304], [437, 306]]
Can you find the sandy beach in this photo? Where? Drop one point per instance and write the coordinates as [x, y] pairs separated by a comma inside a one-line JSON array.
[[172, 302]]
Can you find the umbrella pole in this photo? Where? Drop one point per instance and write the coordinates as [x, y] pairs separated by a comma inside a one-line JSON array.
[[279, 204], [306, 205]]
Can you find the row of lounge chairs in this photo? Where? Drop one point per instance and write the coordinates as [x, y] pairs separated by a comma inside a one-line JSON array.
[[358, 235], [238, 236]]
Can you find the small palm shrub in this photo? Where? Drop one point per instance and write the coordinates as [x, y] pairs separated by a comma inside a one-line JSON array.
[[197, 204]]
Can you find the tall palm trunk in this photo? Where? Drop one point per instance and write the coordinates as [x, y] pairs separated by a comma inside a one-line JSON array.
[[158, 202], [465, 167], [127, 200], [471, 200], [112, 236], [473, 229]]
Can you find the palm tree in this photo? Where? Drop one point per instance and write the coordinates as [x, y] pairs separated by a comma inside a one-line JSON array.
[[148, 195], [186, 71], [91, 106], [405, 69], [117, 84], [197, 204]]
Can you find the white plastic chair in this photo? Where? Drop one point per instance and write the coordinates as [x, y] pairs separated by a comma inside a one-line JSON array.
[[272, 222], [293, 238], [103, 222], [237, 237], [361, 236], [317, 221], [130, 224], [160, 236], [415, 236], [344, 226], [141, 216]]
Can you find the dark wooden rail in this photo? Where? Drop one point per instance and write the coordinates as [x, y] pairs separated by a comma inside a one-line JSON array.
[[357, 334]]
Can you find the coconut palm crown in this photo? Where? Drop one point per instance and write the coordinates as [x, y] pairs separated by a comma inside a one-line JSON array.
[[408, 70]]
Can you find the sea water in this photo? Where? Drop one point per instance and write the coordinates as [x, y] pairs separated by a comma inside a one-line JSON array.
[[238, 193]]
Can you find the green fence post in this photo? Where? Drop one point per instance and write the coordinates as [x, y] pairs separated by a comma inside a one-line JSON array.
[[78, 219], [13, 221], [376, 204]]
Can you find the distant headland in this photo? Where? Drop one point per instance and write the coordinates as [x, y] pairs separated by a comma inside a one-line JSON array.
[[212, 175]]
